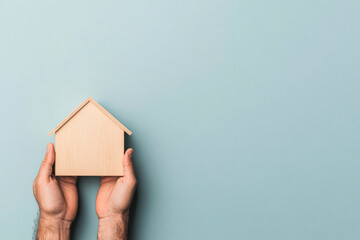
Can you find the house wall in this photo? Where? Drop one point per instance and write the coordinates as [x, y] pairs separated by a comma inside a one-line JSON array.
[[89, 144]]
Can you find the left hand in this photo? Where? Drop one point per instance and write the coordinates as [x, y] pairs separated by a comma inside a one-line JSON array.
[[57, 196]]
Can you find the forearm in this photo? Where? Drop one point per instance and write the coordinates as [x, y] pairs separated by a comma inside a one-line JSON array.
[[53, 229], [114, 228]]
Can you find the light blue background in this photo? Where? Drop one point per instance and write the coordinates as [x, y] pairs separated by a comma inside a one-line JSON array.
[[245, 114]]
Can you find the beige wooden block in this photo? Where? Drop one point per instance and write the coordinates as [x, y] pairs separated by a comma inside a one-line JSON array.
[[89, 142]]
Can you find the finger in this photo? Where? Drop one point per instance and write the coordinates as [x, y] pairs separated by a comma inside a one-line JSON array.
[[128, 167], [48, 162], [67, 179], [107, 179]]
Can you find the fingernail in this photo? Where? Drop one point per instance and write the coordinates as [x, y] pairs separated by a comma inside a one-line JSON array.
[[131, 153], [48, 148]]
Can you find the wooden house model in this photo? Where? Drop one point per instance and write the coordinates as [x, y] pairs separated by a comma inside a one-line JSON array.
[[89, 142]]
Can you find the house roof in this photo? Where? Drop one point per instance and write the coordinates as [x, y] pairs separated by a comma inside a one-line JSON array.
[[76, 110]]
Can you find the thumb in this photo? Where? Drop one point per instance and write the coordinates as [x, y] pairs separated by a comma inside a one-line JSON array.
[[48, 162], [128, 166]]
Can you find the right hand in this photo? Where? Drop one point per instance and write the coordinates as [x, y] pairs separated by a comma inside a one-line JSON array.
[[113, 201], [115, 193]]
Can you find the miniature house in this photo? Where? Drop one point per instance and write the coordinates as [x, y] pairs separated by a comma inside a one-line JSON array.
[[89, 142]]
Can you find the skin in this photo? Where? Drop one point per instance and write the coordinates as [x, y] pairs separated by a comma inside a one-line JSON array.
[[57, 198], [113, 201]]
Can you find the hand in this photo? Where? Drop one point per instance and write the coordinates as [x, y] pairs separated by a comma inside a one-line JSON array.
[[113, 201], [57, 199]]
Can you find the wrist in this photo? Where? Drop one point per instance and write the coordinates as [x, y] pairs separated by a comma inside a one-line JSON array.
[[53, 228], [119, 218], [113, 227], [55, 220]]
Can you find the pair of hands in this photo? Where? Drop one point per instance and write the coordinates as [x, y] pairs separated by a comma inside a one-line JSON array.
[[58, 200]]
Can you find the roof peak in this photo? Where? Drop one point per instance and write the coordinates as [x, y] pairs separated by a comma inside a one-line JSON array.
[[78, 108]]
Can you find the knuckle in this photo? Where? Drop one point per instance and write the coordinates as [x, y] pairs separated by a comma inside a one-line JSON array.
[[44, 163]]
